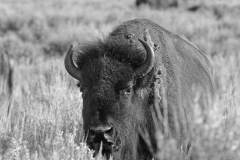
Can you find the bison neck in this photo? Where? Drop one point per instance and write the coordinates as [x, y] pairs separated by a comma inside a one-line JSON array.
[[134, 149]]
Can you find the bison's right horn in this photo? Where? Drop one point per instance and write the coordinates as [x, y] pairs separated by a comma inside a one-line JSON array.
[[146, 67], [69, 65]]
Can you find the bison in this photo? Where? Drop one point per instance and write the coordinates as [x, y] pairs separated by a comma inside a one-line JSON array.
[[163, 4], [123, 79]]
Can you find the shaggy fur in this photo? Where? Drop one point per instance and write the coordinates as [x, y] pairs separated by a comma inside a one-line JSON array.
[[125, 53], [108, 63]]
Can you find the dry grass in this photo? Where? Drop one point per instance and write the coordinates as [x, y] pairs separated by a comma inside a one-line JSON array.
[[45, 118]]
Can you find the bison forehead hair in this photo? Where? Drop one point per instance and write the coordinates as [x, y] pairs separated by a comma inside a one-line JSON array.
[[125, 53]]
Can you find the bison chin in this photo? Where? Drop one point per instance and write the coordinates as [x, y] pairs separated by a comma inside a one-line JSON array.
[[103, 144]]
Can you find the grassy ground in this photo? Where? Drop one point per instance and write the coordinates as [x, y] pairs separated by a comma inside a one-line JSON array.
[[45, 117]]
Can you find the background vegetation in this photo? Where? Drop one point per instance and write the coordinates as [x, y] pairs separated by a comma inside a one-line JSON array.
[[44, 120]]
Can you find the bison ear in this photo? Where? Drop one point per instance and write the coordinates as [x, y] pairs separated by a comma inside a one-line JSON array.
[[146, 80]]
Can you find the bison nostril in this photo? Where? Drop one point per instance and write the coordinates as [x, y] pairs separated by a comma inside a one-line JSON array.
[[91, 132], [101, 129]]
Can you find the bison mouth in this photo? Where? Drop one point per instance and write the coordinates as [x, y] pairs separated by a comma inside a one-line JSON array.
[[104, 145]]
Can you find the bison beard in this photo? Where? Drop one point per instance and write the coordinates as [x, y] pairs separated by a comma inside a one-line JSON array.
[[119, 78]]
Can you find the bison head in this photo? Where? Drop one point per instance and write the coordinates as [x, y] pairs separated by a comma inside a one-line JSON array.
[[115, 96]]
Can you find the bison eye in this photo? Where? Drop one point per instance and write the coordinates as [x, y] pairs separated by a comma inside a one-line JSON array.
[[126, 91]]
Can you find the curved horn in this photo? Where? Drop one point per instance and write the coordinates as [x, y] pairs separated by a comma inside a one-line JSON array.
[[69, 65], [149, 62]]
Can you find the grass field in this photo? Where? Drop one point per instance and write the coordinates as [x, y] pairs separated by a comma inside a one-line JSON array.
[[45, 117]]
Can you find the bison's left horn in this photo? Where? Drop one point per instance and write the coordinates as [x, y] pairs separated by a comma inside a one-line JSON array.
[[69, 65], [149, 62]]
